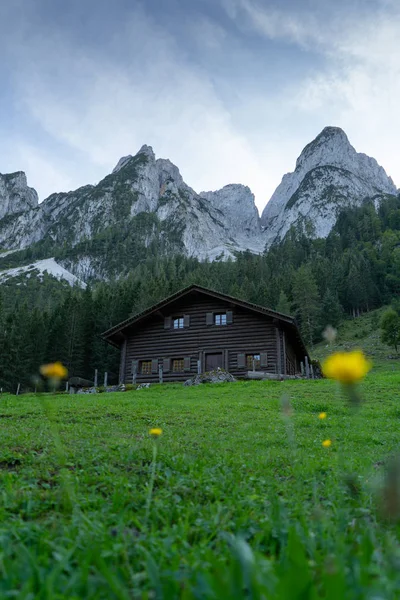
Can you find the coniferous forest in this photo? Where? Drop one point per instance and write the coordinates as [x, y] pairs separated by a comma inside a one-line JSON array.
[[356, 268]]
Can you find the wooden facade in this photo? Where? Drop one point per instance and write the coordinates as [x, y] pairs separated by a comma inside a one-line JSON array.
[[198, 330]]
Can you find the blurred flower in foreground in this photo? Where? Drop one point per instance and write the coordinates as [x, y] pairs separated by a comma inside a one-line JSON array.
[[329, 333], [390, 493], [286, 406], [155, 432], [54, 371], [326, 443], [346, 367], [322, 415]]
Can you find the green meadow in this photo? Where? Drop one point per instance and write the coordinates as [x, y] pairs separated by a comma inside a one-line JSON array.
[[246, 502]]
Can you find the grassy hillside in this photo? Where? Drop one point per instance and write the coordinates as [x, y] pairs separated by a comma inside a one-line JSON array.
[[246, 503], [362, 332]]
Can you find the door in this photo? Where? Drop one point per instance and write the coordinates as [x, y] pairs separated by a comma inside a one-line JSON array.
[[214, 360]]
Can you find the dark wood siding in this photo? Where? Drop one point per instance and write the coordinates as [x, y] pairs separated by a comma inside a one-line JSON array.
[[249, 333], [292, 362]]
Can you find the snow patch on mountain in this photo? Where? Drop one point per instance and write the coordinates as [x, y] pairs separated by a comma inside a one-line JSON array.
[[39, 268]]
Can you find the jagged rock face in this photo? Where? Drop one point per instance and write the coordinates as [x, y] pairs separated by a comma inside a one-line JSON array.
[[237, 204], [145, 206], [329, 176], [15, 195], [140, 184]]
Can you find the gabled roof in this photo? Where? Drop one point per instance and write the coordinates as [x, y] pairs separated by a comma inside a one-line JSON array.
[[114, 337]]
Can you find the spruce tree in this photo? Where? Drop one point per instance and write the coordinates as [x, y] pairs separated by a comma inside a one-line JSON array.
[[331, 309], [284, 306], [390, 325], [307, 303]]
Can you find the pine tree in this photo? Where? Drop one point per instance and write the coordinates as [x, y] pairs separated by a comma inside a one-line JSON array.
[[306, 301], [284, 306], [332, 311], [390, 325]]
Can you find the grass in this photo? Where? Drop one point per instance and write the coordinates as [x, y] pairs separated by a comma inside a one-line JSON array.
[[246, 501], [363, 332]]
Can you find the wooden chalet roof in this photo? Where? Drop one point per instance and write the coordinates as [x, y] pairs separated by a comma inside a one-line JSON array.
[[114, 337]]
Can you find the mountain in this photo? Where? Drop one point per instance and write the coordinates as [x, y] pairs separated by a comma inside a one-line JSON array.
[[329, 176], [144, 209], [143, 198]]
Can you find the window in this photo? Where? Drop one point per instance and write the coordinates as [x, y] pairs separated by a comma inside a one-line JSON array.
[[145, 367], [220, 319], [253, 361], [178, 365], [178, 323]]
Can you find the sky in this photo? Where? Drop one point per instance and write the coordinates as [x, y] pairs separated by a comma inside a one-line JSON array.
[[229, 90]]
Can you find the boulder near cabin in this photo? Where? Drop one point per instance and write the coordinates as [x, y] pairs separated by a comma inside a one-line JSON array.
[[198, 330]]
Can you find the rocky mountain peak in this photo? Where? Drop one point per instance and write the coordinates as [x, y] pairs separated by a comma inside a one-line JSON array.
[[332, 147], [121, 163], [329, 140], [147, 150], [330, 175], [125, 160], [236, 202], [15, 195]]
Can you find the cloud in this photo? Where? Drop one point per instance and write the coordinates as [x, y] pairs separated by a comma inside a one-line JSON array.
[[361, 87], [102, 107], [296, 26], [90, 100], [358, 84]]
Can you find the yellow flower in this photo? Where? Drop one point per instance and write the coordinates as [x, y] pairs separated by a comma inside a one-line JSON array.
[[326, 443], [346, 367], [322, 415], [54, 371], [155, 432]]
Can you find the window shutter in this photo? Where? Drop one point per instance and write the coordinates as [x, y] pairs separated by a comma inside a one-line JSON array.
[[166, 365], [263, 359], [167, 323], [186, 320], [209, 318], [229, 317], [187, 363], [241, 360], [154, 365]]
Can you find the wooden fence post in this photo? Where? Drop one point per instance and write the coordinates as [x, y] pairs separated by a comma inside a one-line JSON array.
[[19, 385], [96, 377], [134, 372], [105, 379], [307, 367], [199, 367], [302, 368], [160, 373]]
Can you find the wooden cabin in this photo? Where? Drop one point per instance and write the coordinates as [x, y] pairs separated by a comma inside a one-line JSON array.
[[198, 330]]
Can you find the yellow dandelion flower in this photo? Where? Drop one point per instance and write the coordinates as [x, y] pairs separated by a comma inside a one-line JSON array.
[[346, 367], [327, 443], [54, 371], [155, 432], [322, 415]]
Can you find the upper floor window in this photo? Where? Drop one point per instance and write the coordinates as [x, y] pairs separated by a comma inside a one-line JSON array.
[[178, 322], [220, 319]]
